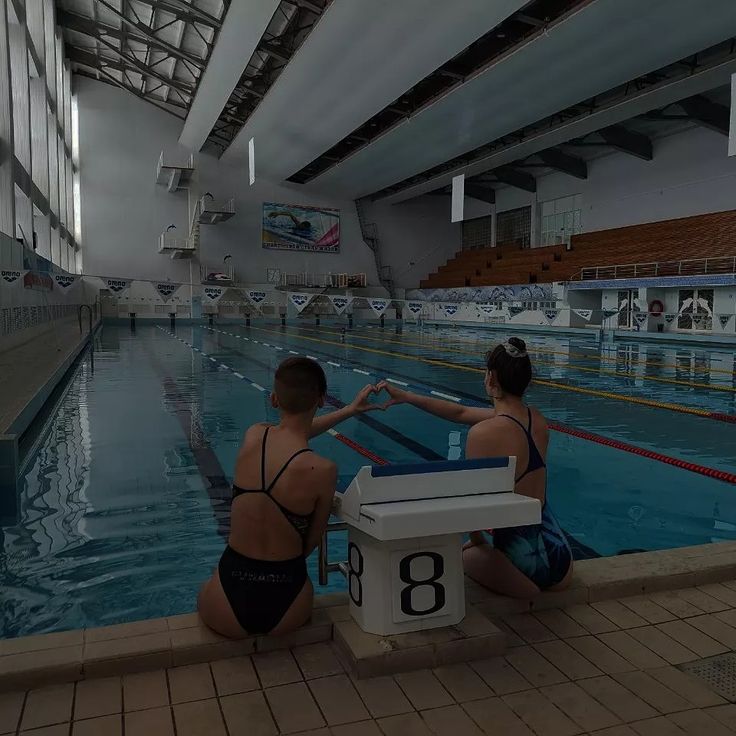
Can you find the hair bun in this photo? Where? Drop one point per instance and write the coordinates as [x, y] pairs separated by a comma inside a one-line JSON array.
[[517, 342]]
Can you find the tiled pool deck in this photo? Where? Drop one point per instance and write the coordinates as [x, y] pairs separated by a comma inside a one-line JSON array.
[[593, 660]]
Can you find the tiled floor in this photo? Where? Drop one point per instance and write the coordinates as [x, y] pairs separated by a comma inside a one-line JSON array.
[[609, 668]]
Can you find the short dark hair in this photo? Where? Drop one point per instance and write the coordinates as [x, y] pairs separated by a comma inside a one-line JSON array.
[[512, 365], [299, 384]]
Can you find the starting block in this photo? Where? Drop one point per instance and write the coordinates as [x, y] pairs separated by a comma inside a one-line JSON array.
[[405, 535]]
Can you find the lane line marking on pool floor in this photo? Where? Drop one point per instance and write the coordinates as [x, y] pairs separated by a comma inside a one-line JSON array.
[[616, 444], [397, 382], [596, 371], [352, 444], [356, 370], [718, 416], [445, 396], [332, 363]]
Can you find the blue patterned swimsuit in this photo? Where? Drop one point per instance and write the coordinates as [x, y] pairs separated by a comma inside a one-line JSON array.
[[540, 551]]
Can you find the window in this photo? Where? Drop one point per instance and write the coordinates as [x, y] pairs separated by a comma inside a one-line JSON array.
[[561, 219], [695, 309], [478, 232], [514, 227]]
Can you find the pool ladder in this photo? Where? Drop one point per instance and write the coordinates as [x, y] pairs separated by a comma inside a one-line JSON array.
[[89, 335], [325, 566]]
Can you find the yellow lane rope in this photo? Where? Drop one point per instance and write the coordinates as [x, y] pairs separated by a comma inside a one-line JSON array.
[[457, 366], [598, 371]]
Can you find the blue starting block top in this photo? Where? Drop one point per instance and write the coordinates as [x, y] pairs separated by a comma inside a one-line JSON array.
[[439, 466], [427, 499]]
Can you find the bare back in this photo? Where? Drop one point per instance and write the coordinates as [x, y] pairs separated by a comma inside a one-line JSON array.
[[504, 434], [260, 526]]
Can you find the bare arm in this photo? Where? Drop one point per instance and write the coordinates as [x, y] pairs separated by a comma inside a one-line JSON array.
[[322, 510], [449, 410], [358, 405]]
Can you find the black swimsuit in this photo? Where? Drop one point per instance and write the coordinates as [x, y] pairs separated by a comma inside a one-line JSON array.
[[260, 592]]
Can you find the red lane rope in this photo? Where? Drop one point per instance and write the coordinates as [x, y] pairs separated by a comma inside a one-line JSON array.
[[359, 448], [650, 454], [723, 417]]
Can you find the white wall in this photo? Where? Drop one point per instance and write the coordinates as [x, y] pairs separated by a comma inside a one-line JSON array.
[[690, 174], [124, 211], [416, 232]]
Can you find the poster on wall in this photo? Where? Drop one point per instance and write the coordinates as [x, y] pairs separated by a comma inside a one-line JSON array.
[[298, 227]]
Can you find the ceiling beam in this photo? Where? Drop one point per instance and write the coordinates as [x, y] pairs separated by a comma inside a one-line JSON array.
[[515, 178], [275, 50], [150, 36], [125, 63], [564, 162], [308, 5], [476, 191], [709, 114], [94, 29], [626, 141], [184, 11], [103, 76]]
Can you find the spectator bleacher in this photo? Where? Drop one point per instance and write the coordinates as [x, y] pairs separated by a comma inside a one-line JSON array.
[[698, 237]]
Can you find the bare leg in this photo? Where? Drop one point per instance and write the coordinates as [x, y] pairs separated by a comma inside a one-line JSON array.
[[214, 609], [493, 570]]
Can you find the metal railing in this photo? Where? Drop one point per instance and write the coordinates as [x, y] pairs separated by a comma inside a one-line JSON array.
[[325, 566], [225, 206], [322, 280], [167, 242], [687, 267]]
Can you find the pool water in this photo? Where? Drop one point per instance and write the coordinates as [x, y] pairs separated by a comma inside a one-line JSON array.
[[122, 510]]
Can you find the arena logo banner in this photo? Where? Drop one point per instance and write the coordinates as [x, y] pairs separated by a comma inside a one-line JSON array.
[[256, 297], [724, 319], [166, 289], [299, 227], [213, 294], [698, 319], [487, 308], [640, 318], [515, 309], [586, 314], [379, 306], [12, 276], [415, 307], [609, 313], [669, 318], [551, 314], [300, 300], [64, 281], [116, 285], [450, 309], [340, 303]]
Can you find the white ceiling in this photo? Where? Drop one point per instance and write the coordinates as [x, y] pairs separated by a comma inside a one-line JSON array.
[[361, 56], [602, 45]]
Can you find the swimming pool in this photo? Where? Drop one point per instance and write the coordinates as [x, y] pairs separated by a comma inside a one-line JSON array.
[[124, 502]]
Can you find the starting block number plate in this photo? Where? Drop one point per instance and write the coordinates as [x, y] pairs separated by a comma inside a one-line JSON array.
[[418, 583]]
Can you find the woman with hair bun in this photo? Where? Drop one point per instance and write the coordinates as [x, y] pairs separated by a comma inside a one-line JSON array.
[[520, 561]]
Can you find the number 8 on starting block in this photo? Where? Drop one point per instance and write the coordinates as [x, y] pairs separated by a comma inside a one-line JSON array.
[[406, 526]]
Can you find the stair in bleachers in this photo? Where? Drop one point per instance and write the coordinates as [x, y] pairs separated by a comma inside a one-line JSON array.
[[700, 236]]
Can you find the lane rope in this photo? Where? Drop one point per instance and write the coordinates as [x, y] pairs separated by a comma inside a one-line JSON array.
[[352, 444], [705, 470], [718, 416], [586, 369]]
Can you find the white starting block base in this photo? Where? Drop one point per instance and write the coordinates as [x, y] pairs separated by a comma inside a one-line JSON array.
[[405, 584]]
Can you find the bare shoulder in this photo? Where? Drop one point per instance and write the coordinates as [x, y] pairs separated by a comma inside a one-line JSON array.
[[538, 419], [488, 428], [316, 467]]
